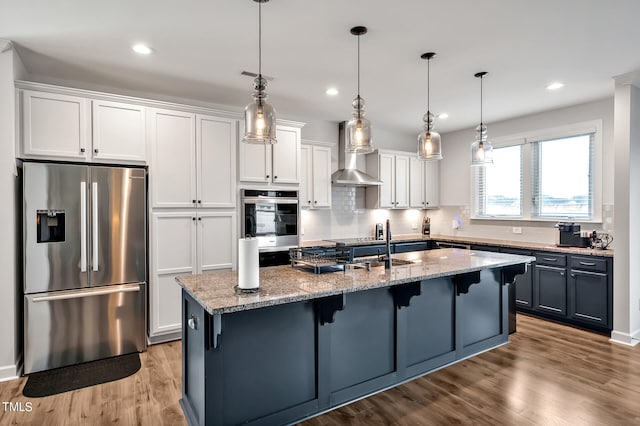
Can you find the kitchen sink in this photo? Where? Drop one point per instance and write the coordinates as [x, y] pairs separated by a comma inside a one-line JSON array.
[[376, 262]]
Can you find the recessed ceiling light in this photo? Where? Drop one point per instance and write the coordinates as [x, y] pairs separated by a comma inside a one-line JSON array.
[[443, 116], [555, 86], [332, 91], [142, 49]]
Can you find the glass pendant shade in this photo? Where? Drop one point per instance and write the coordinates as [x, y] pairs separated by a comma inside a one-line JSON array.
[[259, 117], [429, 144], [481, 149], [358, 130]]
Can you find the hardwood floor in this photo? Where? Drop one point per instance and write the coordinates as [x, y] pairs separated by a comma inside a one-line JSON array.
[[548, 374]]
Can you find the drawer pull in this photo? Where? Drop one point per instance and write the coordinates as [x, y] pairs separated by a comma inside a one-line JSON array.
[[587, 263], [550, 259], [589, 317], [550, 308]]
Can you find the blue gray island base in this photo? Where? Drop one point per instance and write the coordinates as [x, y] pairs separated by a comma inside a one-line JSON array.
[[281, 364]]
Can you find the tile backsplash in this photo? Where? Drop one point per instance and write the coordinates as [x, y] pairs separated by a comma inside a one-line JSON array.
[[348, 218]]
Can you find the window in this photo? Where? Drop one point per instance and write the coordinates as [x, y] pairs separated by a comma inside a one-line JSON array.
[[500, 186], [563, 177], [553, 174]]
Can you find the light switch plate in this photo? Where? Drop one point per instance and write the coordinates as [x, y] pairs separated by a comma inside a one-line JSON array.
[[516, 230]]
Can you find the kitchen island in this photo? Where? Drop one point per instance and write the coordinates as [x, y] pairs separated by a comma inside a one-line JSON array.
[[307, 343]]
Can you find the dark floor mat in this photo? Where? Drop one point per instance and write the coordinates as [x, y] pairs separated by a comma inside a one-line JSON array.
[[79, 376]]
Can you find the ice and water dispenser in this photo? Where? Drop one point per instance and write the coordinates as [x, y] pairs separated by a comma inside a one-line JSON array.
[[50, 226]]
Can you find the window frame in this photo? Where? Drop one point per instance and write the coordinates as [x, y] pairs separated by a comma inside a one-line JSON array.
[[527, 139]]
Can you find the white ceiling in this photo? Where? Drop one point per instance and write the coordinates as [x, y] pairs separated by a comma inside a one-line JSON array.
[[202, 46]]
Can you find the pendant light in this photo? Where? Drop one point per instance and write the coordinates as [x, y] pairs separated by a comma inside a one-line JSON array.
[[429, 146], [259, 116], [481, 149], [358, 129]]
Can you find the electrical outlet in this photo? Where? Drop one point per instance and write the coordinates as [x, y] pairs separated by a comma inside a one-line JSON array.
[[414, 226], [516, 230]]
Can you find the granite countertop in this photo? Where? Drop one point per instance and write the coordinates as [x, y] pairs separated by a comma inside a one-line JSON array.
[[472, 240], [524, 245], [285, 284]]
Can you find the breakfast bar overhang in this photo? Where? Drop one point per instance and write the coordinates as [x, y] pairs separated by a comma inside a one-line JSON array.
[[305, 343]]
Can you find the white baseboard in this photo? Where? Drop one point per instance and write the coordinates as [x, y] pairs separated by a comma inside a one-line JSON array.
[[625, 338], [8, 372]]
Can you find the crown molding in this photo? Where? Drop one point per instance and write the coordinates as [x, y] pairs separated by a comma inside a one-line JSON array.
[[5, 45], [628, 79]]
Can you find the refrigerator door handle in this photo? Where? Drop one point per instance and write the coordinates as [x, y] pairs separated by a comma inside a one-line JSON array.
[[127, 288], [94, 226], [83, 226]]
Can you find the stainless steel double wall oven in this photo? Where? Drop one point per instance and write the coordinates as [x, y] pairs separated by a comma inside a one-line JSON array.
[[272, 216]]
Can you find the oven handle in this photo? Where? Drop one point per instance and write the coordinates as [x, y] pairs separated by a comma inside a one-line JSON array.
[[270, 200]]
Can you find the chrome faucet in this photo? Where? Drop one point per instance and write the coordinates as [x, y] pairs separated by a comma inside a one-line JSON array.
[[387, 260]]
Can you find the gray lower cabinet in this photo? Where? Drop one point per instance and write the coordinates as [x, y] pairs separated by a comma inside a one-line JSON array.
[[551, 290], [523, 283], [571, 288]]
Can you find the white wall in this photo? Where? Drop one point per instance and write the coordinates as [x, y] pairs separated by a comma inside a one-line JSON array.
[[455, 186], [9, 303]]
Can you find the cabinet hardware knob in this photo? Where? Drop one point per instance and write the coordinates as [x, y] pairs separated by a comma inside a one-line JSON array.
[[309, 201], [199, 218], [562, 274], [82, 150], [315, 202], [193, 218], [95, 150], [275, 177], [193, 322], [267, 176], [199, 201], [193, 201], [573, 275], [427, 203]]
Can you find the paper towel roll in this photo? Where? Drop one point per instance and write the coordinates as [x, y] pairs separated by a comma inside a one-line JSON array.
[[248, 264]]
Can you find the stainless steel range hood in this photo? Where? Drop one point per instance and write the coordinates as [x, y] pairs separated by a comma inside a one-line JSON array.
[[348, 173]]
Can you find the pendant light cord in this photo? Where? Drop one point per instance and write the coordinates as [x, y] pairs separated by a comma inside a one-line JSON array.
[[481, 77], [428, 83], [358, 66], [260, 40]]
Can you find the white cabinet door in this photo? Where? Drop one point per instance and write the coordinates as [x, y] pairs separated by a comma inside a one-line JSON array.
[[173, 159], [306, 176], [432, 184], [216, 141], [286, 155], [387, 176], [416, 183], [172, 253], [321, 176], [216, 241], [402, 181], [119, 132], [55, 126], [254, 162]]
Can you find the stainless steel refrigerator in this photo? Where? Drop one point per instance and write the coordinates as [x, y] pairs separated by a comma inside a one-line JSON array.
[[85, 270]]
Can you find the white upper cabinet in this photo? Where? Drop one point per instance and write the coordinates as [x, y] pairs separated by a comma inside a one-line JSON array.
[[172, 173], [192, 160], [315, 180], [59, 126], [55, 125], [119, 131], [424, 184], [393, 170], [216, 161], [277, 163]]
